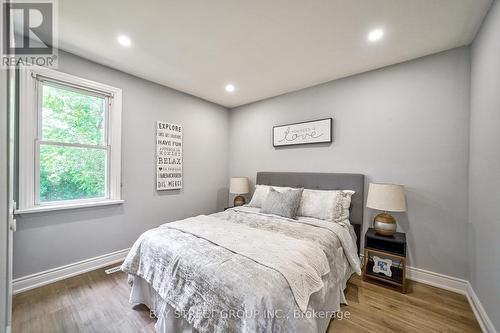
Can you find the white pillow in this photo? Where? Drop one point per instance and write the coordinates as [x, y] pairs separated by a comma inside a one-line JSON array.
[[259, 195], [326, 205], [261, 192]]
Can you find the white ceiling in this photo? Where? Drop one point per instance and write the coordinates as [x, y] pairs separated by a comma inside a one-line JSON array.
[[263, 47]]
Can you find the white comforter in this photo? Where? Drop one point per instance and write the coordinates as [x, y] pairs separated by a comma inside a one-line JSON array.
[[220, 286]]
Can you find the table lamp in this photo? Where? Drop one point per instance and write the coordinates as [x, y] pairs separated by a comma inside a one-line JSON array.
[[239, 186], [387, 198]]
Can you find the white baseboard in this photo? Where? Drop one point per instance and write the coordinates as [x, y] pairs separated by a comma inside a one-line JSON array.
[[457, 285], [59, 273], [477, 307], [438, 280]]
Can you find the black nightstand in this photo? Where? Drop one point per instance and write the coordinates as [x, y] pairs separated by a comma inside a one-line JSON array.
[[385, 259]]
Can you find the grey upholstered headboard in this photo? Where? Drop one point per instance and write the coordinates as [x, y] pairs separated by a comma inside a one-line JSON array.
[[324, 181]]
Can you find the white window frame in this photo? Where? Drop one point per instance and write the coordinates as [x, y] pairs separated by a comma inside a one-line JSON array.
[[29, 120]]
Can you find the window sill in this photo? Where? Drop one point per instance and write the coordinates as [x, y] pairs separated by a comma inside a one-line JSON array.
[[41, 209]]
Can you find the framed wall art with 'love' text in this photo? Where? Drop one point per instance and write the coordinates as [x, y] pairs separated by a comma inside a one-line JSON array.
[[316, 131]]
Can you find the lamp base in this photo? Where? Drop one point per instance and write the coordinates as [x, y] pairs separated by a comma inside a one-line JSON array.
[[239, 200], [384, 224]]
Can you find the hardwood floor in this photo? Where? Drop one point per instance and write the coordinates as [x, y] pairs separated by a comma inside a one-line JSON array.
[[97, 302], [374, 308], [91, 302]]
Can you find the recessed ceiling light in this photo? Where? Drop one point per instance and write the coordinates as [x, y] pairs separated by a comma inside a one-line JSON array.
[[375, 35], [229, 88], [124, 40]]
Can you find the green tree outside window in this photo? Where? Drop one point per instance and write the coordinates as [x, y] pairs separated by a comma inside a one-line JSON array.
[[72, 151]]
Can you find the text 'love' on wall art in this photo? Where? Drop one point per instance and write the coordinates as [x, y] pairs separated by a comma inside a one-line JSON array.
[[316, 131], [168, 156]]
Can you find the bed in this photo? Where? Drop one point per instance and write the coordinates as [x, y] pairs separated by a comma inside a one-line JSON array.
[[244, 271]]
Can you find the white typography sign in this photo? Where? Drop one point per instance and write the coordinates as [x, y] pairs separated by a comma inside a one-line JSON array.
[[316, 131], [168, 156]]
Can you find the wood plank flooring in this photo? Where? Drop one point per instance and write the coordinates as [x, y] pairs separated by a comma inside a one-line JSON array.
[[374, 308], [97, 302]]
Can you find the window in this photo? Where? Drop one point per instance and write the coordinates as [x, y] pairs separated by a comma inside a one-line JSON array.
[[69, 144]]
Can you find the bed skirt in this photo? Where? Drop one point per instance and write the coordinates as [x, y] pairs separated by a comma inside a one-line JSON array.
[[169, 322]]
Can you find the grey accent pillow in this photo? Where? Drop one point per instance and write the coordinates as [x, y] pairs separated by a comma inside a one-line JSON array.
[[285, 203]]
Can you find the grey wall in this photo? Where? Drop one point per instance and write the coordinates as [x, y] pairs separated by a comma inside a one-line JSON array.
[[48, 240], [3, 198], [405, 124], [484, 186]]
